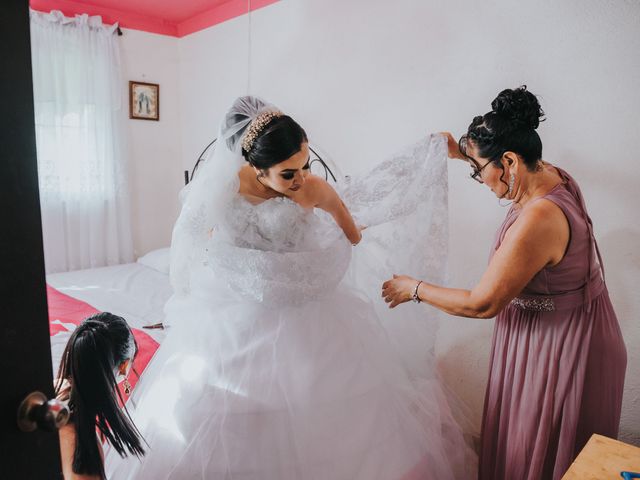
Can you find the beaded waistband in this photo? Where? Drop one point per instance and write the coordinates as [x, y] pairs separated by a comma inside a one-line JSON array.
[[551, 303], [542, 304]]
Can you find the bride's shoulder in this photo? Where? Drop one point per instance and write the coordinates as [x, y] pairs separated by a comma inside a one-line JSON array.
[[317, 189], [316, 183]]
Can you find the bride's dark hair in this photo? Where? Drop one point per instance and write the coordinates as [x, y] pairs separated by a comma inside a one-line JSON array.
[[280, 138], [94, 350], [510, 126]]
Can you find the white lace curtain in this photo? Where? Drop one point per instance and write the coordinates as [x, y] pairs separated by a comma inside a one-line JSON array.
[[81, 157]]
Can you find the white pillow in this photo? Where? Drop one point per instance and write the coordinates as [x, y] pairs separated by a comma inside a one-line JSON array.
[[157, 259]]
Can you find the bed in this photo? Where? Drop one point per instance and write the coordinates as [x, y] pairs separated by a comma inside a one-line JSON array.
[[136, 291]]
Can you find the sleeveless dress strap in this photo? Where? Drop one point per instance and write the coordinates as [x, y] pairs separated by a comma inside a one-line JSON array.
[[573, 188]]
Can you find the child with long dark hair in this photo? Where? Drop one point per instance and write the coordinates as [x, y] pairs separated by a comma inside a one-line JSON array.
[[97, 357]]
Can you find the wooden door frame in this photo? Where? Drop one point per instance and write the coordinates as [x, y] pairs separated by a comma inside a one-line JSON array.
[[25, 350]]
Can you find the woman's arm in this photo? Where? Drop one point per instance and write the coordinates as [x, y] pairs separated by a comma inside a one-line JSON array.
[[326, 198], [538, 238], [67, 435]]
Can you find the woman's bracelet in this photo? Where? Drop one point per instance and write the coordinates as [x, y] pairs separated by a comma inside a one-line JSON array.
[[415, 297]]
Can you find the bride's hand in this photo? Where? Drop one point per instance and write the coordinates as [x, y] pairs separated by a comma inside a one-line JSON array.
[[398, 290], [360, 228], [453, 147]]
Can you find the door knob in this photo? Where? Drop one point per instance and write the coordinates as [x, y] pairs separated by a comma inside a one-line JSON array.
[[35, 411]]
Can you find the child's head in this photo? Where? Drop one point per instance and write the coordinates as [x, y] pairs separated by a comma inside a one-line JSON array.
[[98, 354]]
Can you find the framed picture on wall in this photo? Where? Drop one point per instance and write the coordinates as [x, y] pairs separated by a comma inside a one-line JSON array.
[[144, 101]]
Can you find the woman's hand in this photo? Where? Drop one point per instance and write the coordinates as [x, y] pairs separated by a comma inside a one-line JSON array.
[[398, 290], [453, 147]]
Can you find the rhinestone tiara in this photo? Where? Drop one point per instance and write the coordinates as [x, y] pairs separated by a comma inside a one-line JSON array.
[[256, 126]]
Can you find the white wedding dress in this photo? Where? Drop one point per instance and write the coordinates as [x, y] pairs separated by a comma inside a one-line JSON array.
[[283, 362]]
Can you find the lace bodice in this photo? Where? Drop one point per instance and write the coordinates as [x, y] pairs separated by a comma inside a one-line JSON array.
[[277, 252], [277, 225]]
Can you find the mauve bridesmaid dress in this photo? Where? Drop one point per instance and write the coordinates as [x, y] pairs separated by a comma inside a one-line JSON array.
[[558, 360]]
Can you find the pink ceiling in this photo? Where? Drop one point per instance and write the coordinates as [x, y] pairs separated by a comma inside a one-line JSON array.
[[176, 18]]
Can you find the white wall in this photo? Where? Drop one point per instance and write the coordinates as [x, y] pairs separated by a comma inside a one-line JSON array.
[[154, 147], [365, 78]]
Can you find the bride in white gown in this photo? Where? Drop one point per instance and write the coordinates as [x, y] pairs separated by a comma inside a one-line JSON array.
[[278, 364]]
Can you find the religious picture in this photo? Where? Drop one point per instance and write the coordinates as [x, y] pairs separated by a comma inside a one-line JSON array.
[[144, 101]]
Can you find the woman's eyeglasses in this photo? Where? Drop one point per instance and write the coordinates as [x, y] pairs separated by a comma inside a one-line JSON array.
[[476, 173]]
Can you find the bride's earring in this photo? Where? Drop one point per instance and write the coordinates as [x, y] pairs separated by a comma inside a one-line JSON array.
[[127, 387], [258, 177], [512, 180]]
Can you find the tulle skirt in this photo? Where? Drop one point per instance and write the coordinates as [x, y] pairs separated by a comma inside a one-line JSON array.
[[246, 391]]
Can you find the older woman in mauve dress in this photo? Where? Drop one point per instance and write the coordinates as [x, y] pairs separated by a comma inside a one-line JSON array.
[[558, 359]]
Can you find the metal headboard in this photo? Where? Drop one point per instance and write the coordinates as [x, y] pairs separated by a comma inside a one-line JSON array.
[[188, 176]]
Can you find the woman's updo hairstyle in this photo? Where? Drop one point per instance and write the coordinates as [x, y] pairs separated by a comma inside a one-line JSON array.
[[280, 138], [510, 126]]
